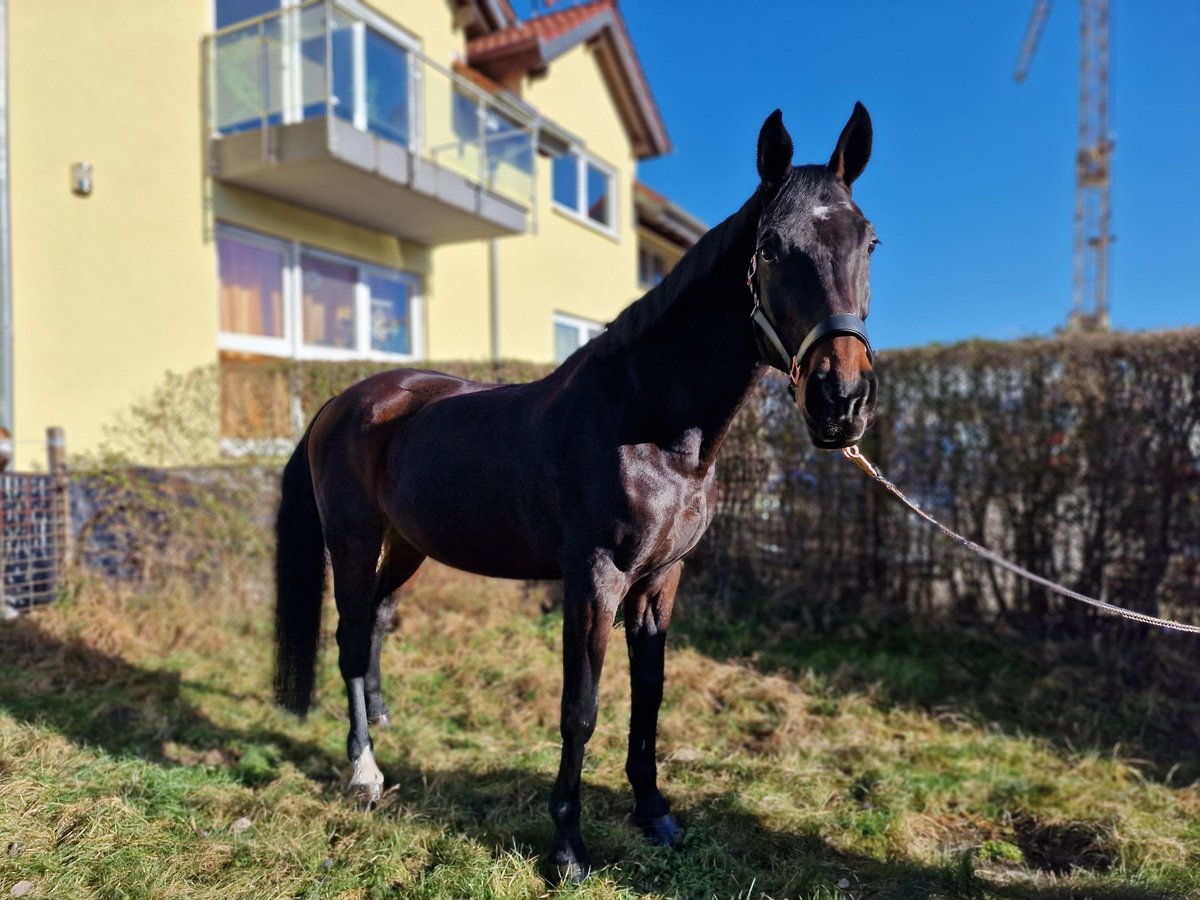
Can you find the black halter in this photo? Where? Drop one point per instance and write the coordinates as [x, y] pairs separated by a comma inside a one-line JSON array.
[[771, 347]]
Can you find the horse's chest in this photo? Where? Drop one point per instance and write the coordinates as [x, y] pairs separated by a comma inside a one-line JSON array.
[[669, 514]]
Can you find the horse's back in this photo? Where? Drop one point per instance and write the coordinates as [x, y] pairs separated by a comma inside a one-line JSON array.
[[351, 435]]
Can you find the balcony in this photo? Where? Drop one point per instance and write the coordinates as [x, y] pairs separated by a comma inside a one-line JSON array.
[[331, 107]]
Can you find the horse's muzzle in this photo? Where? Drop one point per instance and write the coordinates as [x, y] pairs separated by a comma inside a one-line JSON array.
[[838, 410]]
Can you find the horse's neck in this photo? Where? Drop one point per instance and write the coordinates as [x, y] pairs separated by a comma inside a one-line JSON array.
[[697, 368]]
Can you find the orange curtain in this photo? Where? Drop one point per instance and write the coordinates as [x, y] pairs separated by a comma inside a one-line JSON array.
[[251, 293]]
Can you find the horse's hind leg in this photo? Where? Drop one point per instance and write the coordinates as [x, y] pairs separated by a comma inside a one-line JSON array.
[[398, 564], [355, 556], [648, 608]]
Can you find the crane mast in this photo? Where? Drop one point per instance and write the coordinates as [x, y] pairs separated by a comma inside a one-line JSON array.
[[1093, 161]]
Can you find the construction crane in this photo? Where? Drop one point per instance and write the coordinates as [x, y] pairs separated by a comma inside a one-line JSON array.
[[1093, 160]]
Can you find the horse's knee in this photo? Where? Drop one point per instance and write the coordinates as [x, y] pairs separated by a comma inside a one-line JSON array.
[[577, 726]]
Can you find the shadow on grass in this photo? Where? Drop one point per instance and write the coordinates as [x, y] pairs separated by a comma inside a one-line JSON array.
[[1140, 700], [97, 699]]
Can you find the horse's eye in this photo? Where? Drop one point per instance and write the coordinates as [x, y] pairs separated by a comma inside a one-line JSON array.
[[767, 250], [871, 246]]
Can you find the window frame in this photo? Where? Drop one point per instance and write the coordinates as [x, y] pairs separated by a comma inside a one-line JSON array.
[[582, 328], [648, 254], [579, 213], [292, 344], [241, 342]]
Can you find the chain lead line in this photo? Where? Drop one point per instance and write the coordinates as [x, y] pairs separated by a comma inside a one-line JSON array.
[[859, 459]]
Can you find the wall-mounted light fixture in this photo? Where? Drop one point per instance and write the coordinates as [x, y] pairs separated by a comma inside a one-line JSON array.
[[81, 178]]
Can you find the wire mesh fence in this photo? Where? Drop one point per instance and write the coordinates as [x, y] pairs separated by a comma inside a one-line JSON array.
[[36, 537], [1077, 458]]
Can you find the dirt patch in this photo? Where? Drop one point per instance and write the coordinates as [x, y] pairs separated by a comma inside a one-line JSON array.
[[1062, 847]]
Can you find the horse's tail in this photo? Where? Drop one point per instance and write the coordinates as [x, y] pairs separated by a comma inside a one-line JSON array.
[[299, 583]]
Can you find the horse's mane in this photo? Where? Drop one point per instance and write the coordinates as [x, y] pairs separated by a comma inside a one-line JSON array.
[[698, 264]]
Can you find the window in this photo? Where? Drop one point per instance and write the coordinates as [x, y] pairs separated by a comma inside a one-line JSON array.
[[585, 188], [251, 277], [282, 299], [571, 333], [391, 313], [328, 302], [652, 267], [230, 12]]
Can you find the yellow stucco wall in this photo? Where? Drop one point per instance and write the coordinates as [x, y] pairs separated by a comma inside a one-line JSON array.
[[564, 265], [544, 273], [113, 290], [248, 209]]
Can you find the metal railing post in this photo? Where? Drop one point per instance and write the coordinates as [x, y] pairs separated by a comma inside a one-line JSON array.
[[329, 111], [60, 505], [263, 86]]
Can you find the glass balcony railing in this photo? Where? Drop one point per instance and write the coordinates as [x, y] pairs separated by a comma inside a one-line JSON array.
[[321, 59]]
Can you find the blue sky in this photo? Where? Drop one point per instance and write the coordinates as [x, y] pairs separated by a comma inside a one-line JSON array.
[[971, 183]]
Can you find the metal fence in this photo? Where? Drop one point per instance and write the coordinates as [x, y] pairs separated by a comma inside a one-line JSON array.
[[35, 541], [36, 537]]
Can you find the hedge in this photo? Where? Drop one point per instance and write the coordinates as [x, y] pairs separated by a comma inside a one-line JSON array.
[[1078, 457]]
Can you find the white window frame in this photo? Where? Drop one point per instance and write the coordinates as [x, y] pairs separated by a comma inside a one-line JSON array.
[[579, 214], [292, 344], [583, 328], [257, 343]]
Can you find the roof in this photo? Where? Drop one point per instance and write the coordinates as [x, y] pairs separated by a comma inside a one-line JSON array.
[[484, 16], [660, 215], [530, 46]]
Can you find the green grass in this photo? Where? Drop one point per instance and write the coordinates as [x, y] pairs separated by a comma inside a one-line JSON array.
[[140, 756]]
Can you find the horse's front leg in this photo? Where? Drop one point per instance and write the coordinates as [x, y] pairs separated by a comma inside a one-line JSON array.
[[589, 604], [648, 609]]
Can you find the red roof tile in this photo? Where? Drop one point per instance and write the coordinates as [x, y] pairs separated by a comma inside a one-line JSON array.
[[547, 27]]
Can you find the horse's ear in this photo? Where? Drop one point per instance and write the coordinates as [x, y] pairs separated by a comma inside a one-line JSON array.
[[853, 147], [774, 152]]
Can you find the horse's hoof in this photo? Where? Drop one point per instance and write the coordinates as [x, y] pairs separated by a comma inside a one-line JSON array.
[[569, 861], [366, 784], [663, 830], [366, 796], [383, 720], [570, 872]]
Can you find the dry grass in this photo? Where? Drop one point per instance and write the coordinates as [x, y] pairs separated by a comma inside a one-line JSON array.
[[140, 756]]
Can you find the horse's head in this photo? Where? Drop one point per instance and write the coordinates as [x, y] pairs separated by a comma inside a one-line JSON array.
[[810, 274]]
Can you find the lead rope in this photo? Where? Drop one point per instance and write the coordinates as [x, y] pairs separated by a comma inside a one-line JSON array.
[[856, 456]]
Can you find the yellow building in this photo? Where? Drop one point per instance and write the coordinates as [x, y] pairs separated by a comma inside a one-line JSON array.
[[397, 180]]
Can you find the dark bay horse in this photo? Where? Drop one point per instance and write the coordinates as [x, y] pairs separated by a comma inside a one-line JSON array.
[[601, 474]]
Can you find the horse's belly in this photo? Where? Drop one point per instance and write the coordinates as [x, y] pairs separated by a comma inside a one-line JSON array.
[[490, 555], [480, 525]]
